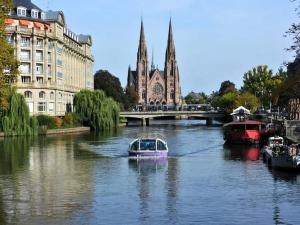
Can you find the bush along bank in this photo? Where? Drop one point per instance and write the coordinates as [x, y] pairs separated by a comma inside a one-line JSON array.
[[92, 109]]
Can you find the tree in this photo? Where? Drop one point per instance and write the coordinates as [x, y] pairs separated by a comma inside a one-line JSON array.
[[131, 98], [227, 87], [196, 98], [96, 110], [248, 100], [8, 63], [227, 101], [260, 82], [110, 84], [15, 120]]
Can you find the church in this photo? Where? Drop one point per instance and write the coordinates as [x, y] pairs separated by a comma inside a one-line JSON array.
[[153, 86]]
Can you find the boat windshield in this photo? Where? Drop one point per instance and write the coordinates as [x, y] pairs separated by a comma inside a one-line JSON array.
[[148, 145]]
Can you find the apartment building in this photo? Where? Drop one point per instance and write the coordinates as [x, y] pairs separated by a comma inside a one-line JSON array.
[[55, 62]]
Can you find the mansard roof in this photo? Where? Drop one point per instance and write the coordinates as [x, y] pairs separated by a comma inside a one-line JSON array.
[[55, 16], [27, 4], [85, 39]]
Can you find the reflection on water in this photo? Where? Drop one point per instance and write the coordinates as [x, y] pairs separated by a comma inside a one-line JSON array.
[[87, 179], [240, 152]]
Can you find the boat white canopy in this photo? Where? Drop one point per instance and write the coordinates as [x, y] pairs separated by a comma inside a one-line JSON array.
[[240, 110]]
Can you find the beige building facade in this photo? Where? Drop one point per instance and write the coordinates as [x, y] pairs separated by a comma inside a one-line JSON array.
[[55, 63]]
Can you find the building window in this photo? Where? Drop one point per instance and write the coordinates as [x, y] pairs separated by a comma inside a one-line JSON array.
[[25, 80], [39, 56], [172, 96], [40, 80], [34, 13], [144, 95], [43, 16], [25, 55], [172, 69], [25, 68], [49, 71], [59, 62], [42, 95], [39, 69], [10, 39], [28, 94], [49, 57], [21, 11], [59, 75], [42, 106], [143, 69], [25, 41], [39, 43], [51, 107], [52, 95]]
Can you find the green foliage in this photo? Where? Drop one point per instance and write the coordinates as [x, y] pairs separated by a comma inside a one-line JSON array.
[[196, 98], [104, 80], [227, 101], [70, 120], [8, 62], [131, 98], [227, 87], [46, 121], [260, 82], [16, 119], [248, 100], [95, 109]]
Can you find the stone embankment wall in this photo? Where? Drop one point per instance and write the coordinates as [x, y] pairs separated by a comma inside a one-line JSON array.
[[62, 131]]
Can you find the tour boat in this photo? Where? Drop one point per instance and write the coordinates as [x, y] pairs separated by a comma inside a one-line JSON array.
[[243, 130], [148, 148], [278, 155]]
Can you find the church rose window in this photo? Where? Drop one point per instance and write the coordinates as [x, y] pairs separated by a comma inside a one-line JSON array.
[[157, 89]]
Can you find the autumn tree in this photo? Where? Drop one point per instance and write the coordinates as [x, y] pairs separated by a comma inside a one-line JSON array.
[[8, 63]]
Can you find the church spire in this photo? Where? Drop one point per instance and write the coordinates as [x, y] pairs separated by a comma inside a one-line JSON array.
[[171, 45], [152, 61], [142, 51]]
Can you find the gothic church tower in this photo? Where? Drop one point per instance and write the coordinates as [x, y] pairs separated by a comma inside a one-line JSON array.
[[142, 67], [173, 90]]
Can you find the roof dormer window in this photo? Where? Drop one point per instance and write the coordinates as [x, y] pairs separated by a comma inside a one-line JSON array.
[[21, 11], [34, 13], [43, 16]]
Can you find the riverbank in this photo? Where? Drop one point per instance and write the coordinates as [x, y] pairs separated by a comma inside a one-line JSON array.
[[60, 131]]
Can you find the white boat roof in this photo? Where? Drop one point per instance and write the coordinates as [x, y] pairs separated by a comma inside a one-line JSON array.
[[275, 138], [237, 111]]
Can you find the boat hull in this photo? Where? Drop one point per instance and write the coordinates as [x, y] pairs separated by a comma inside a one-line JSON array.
[[243, 137], [148, 154], [285, 162]]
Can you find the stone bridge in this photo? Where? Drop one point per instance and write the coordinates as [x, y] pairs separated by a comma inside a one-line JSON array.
[[145, 117]]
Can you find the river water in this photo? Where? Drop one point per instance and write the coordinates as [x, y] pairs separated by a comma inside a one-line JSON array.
[[87, 179]]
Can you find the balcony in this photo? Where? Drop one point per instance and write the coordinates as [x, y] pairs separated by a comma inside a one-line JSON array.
[[25, 58], [40, 46], [25, 44], [39, 59]]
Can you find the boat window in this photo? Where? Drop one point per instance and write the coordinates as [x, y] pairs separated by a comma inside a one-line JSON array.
[[276, 142], [252, 127], [135, 146], [148, 145], [161, 146]]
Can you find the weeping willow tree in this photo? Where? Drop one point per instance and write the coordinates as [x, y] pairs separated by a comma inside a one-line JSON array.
[[95, 109], [15, 120]]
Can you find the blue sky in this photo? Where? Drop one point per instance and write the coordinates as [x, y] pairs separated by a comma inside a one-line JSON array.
[[216, 40]]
